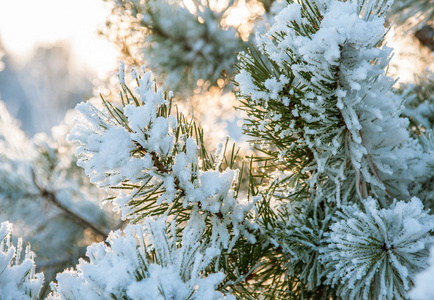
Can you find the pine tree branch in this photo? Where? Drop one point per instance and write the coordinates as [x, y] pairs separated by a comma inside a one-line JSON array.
[[51, 197], [160, 167], [163, 34]]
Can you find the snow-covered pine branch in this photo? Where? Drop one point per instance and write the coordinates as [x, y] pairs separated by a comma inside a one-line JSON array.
[[374, 253], [324, 112], [153, 160], [181, 43], [145, 262], [419, 103], [318, 97], [318, 219]]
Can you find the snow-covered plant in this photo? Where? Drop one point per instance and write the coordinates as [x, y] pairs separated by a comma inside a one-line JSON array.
[[301, 235], [155, 162], [18, 279], [313, 100], [183, 43], [16, 153], [145, 263], [310, 215], [374, 253], [423, 186], [419, 108], [322, 109], [419, 103]]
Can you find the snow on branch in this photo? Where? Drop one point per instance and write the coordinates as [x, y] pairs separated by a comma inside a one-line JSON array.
[[144, 263], [182, 43], [155, 162], [318, 99]]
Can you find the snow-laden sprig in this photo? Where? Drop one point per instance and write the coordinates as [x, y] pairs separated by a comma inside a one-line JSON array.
[[144, 262], [374, 253], [18, 279], [419, 108], [423, 186], [183, 44], [156, 163], [56, 171], [319, 101]]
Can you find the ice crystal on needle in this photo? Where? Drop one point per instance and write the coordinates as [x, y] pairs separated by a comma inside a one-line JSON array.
[[376, 251]]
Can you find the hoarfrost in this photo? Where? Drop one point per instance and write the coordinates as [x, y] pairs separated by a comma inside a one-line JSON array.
[[381, 248], [144, 263]]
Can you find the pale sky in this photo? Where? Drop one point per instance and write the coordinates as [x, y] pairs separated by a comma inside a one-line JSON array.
[[25, 24]]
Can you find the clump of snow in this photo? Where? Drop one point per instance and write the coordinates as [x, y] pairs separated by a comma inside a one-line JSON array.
[[106, 151], [121, 74]]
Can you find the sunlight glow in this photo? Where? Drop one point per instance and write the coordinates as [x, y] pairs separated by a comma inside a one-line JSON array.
[[409, 57], [27, 24]]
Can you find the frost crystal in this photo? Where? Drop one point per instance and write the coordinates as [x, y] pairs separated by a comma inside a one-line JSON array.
[[377, 252]]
